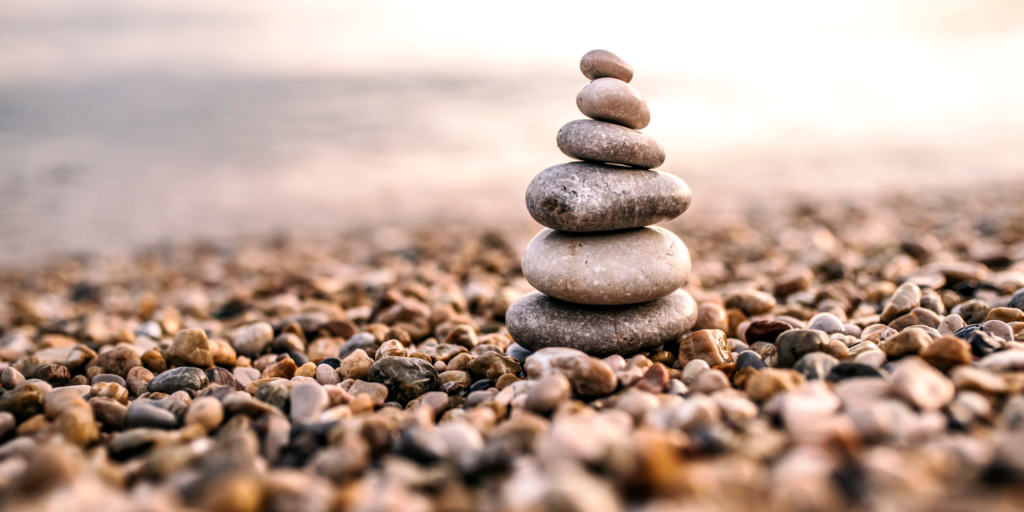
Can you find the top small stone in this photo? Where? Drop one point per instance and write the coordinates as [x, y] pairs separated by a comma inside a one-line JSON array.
[[603, 63]]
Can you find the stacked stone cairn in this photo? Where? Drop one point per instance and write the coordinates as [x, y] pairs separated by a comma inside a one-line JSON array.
[[609, 281]]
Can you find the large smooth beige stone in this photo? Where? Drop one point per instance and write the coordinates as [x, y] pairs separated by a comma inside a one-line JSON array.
[[608, 268], [615, 101]]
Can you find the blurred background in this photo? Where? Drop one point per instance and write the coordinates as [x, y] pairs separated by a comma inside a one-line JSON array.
[[126, 123]]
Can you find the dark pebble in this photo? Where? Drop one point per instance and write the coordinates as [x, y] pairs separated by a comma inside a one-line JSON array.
[[749, 359], [150, 416], [405, 377], [481, 385], [185, 377], [816, 365], [275, 394], [765, 330], [795, 343], [847, 370], [983, 343], [333, 362], [222, 376], [363, 340], [518, 352]]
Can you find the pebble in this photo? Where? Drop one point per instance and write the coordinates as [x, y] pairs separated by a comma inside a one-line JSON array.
[[908, 342], [143, 415], [327, 375], [307, 401], [537, 321], [765, 384], [378, 393], [843, 371], [947, 352], [138, 380], [109, 412], [615, 101], [601, 142], [177, 379], [816, 365], [711, 315], [950, 325], [795, 343], [588, 197], [547, 393], [355, 366], [994, 327], [751, 302], [244, 375], [109, 377], [765, 330], [406, 378], [921, 385], [251, 340], [11, 378], [972, 311], [493, 366], [609, 268], [983, 343], [709, 345], [190, 348], [588, 375], [917, 316], [1017, 300], [118, 360], [906, 298], [710, 381], [827, 323], [205, 411], [1005, 315], [603, 63]]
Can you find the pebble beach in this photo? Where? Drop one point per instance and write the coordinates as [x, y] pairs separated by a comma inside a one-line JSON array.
[[844, 357]]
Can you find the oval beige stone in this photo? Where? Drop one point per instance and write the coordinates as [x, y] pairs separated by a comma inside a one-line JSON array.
[[598, 141], [584, 197], [615, 101], [603, 63], [608, 268], [536, 321]]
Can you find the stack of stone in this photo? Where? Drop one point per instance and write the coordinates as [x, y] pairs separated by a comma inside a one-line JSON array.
[[609, 281]]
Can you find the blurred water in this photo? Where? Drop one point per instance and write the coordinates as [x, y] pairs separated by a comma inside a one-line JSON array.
[[124, 124]]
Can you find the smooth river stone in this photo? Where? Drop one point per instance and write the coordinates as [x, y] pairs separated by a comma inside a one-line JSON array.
[[615, 101], [536, 321], [598, 141], [607, 268], [584, 197], [603, 63]]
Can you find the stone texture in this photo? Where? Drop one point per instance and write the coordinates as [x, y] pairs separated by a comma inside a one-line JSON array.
[[547, 393], [612, 100], [910, 341], [588, 375], [176, 379], [765, 330], [598, 141], [794, 344], [607, 269], [906, 298], [921, 385], [405, 377], [190, 348], [751, 302], [603, 63], [251, 340], [536, 321], [586, 197], [708, 345]]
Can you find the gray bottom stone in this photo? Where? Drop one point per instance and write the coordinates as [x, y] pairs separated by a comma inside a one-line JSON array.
[[536, 321]]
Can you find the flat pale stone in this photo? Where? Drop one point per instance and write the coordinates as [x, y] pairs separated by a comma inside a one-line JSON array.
[[615, 101], [598, 141], [584, 197], [609, 268], [601, 63], [536, 321]]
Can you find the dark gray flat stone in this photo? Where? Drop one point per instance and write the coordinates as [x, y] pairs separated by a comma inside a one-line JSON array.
[[536, 321]]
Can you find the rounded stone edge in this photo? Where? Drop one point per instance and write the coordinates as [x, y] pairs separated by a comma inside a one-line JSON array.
[[606, 344]]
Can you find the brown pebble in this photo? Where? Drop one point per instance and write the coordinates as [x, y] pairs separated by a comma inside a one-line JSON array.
[[751, 302], [355, 366], [614, 101], [708, 345], [154, 361], [603, 63], [1005, 314], [910, 341], [505, 380], [138, 378], [765, 330], [947, 352], [283, 369], [54, 374], [205, 411], [306, 370], [598, 141], [190, 348], [654, 379], [711, 315], [548, 393]]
